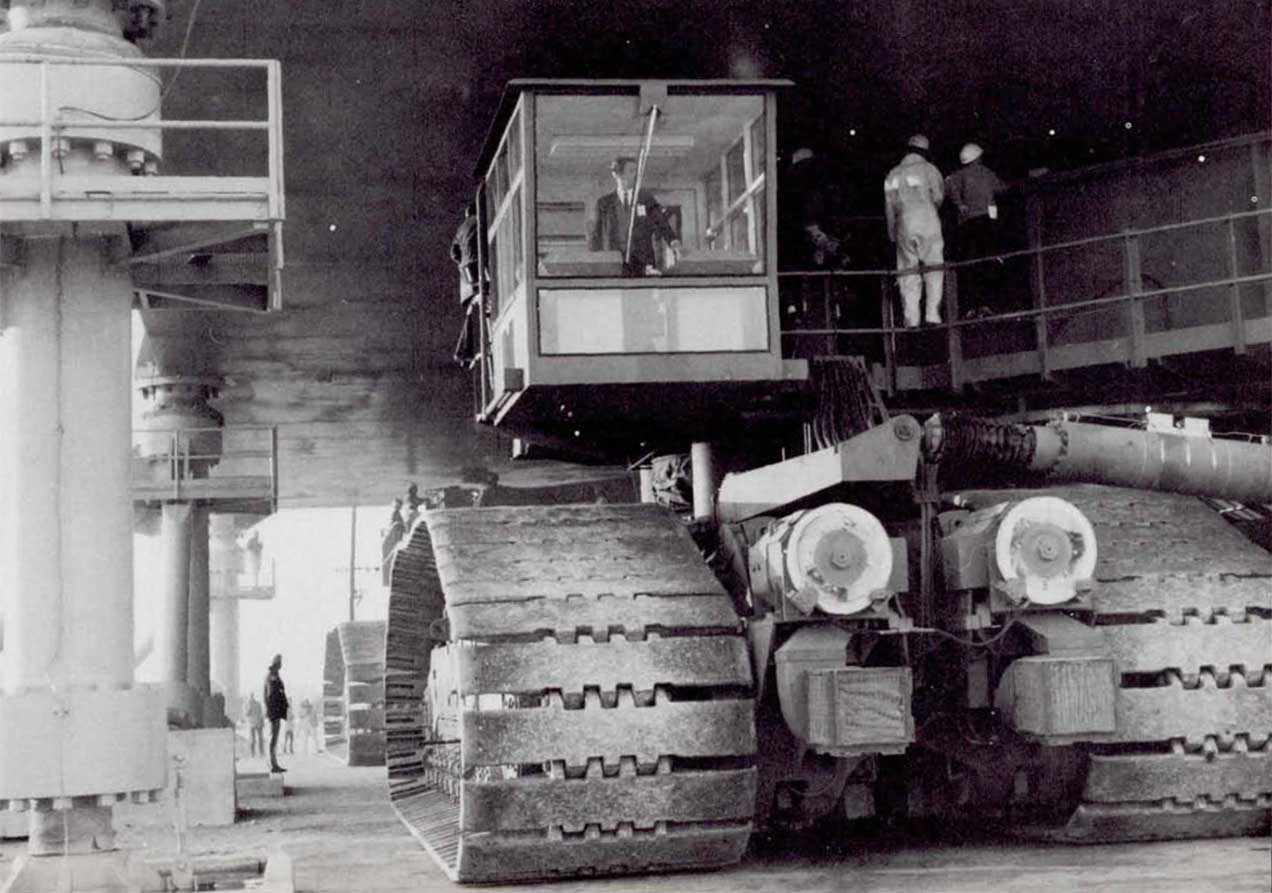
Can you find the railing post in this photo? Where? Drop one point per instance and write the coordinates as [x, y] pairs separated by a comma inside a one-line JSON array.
[[953, 332], [46, 145], [1038, 284], [273, 465], [1234, 294], [174, 469], [1261, 161], [830, 322], [1134, 309], [275, 132], [889, 338]]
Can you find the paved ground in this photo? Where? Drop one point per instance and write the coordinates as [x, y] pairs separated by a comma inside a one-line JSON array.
[[342, 835]]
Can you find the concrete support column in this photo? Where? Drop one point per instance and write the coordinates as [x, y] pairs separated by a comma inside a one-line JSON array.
[[72, 728], [197, 645], [66, 515], [224, 631]]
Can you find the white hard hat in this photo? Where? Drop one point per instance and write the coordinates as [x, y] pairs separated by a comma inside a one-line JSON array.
[[969, 153], [919, 141]]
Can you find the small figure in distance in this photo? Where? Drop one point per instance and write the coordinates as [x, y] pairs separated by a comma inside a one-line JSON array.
[[805, 245], [913, 190], [463, 251], [623, 212], [973, 190], [413, 503], [308, 720], [254, 716]]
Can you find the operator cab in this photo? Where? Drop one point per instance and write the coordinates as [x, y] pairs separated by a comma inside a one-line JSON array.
[[629, 260]]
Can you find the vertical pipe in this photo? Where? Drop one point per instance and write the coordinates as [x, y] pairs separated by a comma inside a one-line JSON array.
[[172, 656], [46, 145], [197, 646], [703, 470], [223, 634]]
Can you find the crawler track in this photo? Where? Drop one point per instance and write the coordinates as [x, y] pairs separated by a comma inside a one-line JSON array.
[[567, 693], [1185, 602]]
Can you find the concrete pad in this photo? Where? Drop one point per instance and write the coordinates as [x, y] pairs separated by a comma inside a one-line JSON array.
[[342, 837], [204, 761], [13, 824], [252, 785]]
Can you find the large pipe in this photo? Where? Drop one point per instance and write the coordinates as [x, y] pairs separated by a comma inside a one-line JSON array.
[[197, 656], [1178, 462], [171, 659], [223, 630]]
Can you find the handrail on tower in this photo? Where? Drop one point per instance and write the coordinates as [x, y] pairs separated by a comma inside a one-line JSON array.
[[173, 217]]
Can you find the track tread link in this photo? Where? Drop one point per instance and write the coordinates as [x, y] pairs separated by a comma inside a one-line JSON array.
[[1185, 603], [589, 651]]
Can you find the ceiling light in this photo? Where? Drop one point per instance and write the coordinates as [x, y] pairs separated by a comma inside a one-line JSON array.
[[670, 146]]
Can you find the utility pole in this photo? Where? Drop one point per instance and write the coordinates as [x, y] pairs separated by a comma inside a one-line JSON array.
[[353, 559]]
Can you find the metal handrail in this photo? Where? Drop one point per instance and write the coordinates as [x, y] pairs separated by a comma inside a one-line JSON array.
[[1050, 310], [1025, 252], [178, 456], [1132, 298], [49, 124]]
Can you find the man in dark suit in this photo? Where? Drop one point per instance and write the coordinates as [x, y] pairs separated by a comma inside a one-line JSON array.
[[614, 215]]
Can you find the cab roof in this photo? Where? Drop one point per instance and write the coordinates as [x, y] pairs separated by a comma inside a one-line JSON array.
[[512, 93]]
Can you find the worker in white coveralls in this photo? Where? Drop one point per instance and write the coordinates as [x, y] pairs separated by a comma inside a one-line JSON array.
[[913, 191]]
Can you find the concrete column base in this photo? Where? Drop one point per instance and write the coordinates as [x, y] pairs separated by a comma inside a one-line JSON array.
[[97, 872], [253, 785], [204, 759], [116, 872], [79, 830], [14, 825]]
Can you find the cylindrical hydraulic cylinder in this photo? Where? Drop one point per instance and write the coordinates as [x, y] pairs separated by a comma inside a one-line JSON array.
[[197, 646], [704, 487], [1156, 460], [1149, 459]]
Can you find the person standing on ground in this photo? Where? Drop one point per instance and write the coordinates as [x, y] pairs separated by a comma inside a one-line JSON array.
[[308, 725], [973, 191], [289, 731], [913, 190], [275, 708], [255, 718]]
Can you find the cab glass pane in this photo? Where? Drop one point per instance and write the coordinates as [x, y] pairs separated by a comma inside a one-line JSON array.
[[617, 199], [652, 320]]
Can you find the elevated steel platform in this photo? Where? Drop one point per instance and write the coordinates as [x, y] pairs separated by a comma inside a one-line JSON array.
[[199, 238]]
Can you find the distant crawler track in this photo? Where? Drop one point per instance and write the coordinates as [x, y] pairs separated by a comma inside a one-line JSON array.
[[567, 693]]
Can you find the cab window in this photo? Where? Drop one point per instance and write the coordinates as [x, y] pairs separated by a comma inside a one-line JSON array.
[[621, 195]]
